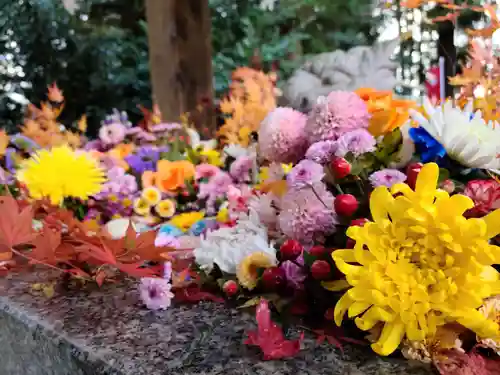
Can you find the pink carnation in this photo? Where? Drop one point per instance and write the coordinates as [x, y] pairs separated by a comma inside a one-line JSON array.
[[338, 113], [281, 136], [304, 174], [485, 194], [215, 188], [387, 177], [156, 293], [307, 215], [357, 142], [206, 171]]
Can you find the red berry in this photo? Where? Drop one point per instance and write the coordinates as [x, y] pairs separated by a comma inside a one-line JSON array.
[[412, 172], [318, 251], [320, 269], [346, 204], [290, 250], [273, 278], [359, 222], [340, 168], [230, 287]]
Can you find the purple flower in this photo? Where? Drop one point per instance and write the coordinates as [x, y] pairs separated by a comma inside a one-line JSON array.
[[241, 167], [321, 152], [144, 159], [386, 177], [307, 215], [5, 177], [10, 159], [306, 173], [357, 142], [295, 274], [156, 293], [94, 145]]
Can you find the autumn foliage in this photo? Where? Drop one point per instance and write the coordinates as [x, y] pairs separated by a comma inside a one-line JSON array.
[[63, 243]]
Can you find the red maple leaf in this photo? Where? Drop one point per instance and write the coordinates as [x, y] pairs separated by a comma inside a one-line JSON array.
[[473, 363], [269, 337], [16, 227]]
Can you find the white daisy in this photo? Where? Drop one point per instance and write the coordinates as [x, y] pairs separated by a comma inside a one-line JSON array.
[[464, 134]]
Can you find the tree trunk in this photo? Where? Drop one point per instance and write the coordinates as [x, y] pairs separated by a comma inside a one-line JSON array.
[[180, 50], [447, 49]]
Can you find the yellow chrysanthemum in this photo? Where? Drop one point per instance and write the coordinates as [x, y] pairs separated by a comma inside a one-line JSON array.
[[419, 265], [186, 220], [165, 208], [141, 207], [212, 156], [152, 195], [247, 270], [61, 173]]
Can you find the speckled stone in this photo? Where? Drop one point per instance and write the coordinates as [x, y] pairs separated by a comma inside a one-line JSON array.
[[107, 331]]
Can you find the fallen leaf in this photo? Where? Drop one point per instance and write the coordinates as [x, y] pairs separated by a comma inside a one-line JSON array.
[[269, 337]]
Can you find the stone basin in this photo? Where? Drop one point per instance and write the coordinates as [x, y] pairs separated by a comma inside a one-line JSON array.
[[107, 331]]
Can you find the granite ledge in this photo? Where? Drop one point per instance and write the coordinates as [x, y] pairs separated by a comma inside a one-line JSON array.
[[107, 331]]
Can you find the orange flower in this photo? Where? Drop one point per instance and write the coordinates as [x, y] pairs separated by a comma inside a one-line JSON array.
[[172, 175], [387, 113], [4, 142]]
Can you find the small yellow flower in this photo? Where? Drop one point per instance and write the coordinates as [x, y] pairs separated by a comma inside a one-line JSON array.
[[151, 195], [223, 215], [419, 265], [116, 216], [165, 208], [186, 220], [126, 202], [212, 156], [141, 207], [113, 198], [247, 270]]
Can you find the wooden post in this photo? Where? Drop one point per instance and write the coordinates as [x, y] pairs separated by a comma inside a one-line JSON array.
[[180, 50]]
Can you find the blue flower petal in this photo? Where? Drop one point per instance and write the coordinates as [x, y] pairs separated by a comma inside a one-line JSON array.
[[170, 230], [429, 149]]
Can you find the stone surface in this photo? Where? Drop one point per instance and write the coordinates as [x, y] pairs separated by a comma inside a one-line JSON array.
[[107, 331], [363, 66]]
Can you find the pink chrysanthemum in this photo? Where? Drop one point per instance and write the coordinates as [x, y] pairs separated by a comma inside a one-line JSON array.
[[156, 293], [321, 152], [206, 171], [304, 174], [216, 188], [307, 214], [387, 177], [357, 143], [338, 113], [281, 136]]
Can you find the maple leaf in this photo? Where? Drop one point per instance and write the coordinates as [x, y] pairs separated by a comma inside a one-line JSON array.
[[194, 294], [16, 226], [269, 337]]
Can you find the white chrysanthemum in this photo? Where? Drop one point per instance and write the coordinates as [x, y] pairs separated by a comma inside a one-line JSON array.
[[465, 135], [236, 151], [227, 247]]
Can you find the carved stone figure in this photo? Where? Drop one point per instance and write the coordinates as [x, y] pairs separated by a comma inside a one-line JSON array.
[[364, 66]]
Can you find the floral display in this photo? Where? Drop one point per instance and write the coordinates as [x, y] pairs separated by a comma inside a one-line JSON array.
[[369, 220]]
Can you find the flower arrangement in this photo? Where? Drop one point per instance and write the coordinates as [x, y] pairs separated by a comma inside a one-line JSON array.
[[369, 213]]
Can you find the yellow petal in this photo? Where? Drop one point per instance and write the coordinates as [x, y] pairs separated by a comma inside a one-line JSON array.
[[389, 340], [427, 179], [341, 308], [335, 286], [492, 221], [379, 201]]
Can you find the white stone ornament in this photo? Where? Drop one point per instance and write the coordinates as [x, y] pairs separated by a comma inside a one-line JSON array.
[[364, 66]]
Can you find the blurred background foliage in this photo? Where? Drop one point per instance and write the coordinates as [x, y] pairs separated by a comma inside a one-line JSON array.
[[99, 55]]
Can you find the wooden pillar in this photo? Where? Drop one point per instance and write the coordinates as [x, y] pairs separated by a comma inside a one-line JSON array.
[[180, 50]]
